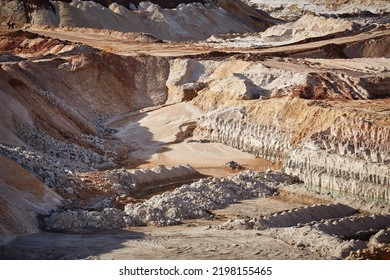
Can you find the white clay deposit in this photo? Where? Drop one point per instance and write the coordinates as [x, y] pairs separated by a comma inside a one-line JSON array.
[[308, 26]]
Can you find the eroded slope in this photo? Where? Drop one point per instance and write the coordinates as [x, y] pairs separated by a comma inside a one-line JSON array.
[[78, 119], [176, 22], [22, 197]]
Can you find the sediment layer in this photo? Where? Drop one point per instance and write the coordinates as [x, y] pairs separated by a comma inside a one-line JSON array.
[[346, 149], [326, 124]]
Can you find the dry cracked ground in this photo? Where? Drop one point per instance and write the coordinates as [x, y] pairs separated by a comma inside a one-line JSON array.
[[207, 130]]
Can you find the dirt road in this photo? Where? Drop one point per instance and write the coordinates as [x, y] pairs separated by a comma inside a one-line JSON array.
[[195, 239], [133, 43]]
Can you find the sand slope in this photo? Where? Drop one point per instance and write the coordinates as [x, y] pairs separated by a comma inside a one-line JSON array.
[[155, 138], [22, 197]]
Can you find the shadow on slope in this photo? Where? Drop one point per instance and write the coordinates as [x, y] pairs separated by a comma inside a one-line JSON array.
[[67, 246]]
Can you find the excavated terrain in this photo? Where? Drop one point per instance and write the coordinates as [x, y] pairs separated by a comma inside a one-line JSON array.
[[342, 8], [273, 144]]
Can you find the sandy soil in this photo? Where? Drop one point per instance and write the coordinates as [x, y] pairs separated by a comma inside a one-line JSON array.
[[195, 239], [153, 137], [192, 242]]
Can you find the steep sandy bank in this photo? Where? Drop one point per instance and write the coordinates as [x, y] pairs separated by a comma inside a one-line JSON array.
[[53, 111], [22, 198], [337, 147]]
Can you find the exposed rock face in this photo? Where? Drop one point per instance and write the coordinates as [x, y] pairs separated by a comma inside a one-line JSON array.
[[345, 152], [23, 11], [185, 75], [12, 11], [353, 148], [230, 126], [333, 148], [328, 171], [216, 83]]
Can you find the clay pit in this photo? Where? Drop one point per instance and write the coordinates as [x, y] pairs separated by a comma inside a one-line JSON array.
[[266, 140]]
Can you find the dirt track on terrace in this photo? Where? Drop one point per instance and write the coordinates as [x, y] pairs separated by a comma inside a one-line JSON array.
[[123, 45]]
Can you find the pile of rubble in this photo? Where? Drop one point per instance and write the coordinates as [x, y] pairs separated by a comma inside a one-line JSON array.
[[126, 180], [195, 200]]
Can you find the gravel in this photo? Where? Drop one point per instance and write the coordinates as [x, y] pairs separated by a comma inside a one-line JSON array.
[[190, 201]]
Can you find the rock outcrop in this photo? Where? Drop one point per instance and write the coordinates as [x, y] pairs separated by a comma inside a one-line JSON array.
[[230, 127], [346, 151], [353, 147], [331, 231]]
